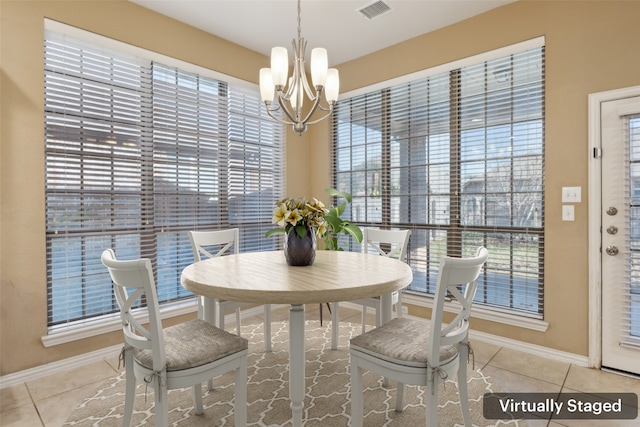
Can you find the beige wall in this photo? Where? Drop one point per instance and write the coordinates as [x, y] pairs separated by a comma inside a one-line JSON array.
[[591, 47]]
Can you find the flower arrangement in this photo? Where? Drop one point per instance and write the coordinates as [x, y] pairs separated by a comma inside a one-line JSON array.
[[300, 213]]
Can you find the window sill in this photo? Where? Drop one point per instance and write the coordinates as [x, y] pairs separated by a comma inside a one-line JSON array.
[[481, 313], [109, 323]]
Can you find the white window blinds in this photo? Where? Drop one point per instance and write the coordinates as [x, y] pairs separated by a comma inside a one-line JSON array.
[[457, 157], [255, 168], [137, 154]]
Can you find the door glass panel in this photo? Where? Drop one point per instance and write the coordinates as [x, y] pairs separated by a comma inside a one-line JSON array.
[[632, 129]]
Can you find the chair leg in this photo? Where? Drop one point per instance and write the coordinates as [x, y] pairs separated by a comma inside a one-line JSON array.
[[399, 305], [220, 314], [160, 394], [364, 319], [267, 328], [240, 397], [215, 315], [400, 397], [357, 405], [130, 388], [238, 321], [463, 350], [385, 380], [431, 395], [335, 326], [197, 398], [200, 302], [329, 307], [220, 319]]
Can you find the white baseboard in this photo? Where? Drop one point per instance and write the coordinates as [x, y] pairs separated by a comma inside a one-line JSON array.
[[537, 350], [59, 366], [98, 355]]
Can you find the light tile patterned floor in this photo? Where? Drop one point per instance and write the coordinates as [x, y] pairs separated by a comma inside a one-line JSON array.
[[49, 401]]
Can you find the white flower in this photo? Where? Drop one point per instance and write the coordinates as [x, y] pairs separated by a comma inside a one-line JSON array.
[[280, 215]]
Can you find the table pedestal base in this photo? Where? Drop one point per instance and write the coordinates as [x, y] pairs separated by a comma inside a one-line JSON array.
[[296, 362]]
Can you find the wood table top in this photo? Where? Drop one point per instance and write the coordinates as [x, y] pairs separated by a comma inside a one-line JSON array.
[[266, 278]]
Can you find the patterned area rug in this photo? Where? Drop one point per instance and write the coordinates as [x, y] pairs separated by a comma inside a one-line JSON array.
[[327, 393]]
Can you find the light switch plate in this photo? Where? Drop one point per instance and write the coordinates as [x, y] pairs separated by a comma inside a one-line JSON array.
[[568, 213], [571, 194]]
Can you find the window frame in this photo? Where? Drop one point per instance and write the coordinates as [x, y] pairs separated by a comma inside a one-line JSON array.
[[511, 316], [258, 219]]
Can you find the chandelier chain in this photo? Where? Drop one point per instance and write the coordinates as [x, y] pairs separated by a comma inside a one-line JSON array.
[[299, 20]]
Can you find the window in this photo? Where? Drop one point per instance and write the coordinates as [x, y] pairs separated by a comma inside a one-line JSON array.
[[457, 156], [137, 153]]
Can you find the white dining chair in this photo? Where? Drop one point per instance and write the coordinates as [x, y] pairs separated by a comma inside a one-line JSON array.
[[216, 243], [389, 243], [178, 356], [414, 351]]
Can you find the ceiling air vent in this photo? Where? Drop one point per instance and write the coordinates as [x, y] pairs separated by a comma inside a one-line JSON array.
[[375, 9]]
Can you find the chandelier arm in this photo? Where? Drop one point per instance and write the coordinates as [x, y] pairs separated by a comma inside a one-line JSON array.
[[307, 89], [286, 111], [329, 107], [293, 82], [277, 107], [318, 120], [291, 121], [314, 107], [276, 118], [286, 95], [270, 107]]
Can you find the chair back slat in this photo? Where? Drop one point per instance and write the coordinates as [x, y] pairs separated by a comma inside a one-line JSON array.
[[454, 273], [396, 240], [134, 333], [227, 240], [456, 329], [133, 280]]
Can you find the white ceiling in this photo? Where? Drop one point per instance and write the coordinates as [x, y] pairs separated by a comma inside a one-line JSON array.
[[333, 24]]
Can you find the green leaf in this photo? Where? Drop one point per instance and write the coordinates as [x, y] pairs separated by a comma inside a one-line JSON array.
[[301, 230], [334, 222], [343, 194], [333, 212], [336, 225], [353, 230], [334, 243], [274, 231]]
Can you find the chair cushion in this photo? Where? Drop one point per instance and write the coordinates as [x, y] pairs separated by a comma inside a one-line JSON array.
[[192, 344], [403, 341]]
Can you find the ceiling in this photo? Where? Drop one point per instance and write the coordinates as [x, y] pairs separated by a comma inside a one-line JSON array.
[[333, 24]]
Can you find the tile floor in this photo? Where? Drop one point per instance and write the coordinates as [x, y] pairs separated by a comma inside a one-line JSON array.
[[49, 401]]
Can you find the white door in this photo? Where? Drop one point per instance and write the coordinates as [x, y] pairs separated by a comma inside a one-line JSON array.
[[620, 220]]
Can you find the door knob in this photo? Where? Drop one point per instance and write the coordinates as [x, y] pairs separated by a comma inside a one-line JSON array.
[[612, 250]]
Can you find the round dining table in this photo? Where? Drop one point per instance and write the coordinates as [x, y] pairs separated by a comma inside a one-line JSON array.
[[266, 278]]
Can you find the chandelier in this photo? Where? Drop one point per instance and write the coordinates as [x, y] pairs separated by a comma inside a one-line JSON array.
[[290, 91]]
